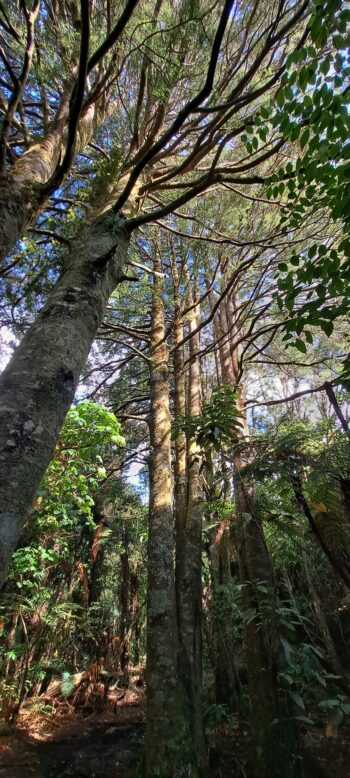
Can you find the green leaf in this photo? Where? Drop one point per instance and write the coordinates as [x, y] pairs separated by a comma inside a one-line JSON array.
[[304, 137], [304, 719], [300, 345], [280, 98], [327, 327], [297, 699]]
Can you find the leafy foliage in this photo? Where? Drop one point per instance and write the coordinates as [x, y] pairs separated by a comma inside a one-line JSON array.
[[219, 423]]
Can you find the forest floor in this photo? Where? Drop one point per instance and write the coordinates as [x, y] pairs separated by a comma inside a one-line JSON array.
[[65, 741], [81, 743]]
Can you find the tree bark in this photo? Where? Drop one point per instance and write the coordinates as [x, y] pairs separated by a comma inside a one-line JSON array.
[[272, 731], [338, 561], [22, 191], [227, 685], [168, 748], [124, 604], [226, 677], [134, 615], [180, 462], [189, 564], [38, 385], [97, 553], [321, 621]]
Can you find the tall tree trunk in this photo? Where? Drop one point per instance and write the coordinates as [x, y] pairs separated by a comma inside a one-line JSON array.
[[226, 677], [168, 748], [38, 385], [272, 733], [124, 604], [321, 621], [189, 563], [180, 463], [97, 553], [271, 730], [134, 615]]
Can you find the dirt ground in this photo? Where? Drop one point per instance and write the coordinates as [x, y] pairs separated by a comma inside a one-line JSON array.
[[89, 745], [108, 744]]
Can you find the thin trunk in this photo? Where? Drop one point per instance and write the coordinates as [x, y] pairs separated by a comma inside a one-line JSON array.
[[226, 677], [180, 464], [344, 482], [271, 729], [318, 608], [337, 561], [124, 605], [189, 564], [227, 685], [168, 750], [97, 554], [38, 385], [134, 616], [336, 407]]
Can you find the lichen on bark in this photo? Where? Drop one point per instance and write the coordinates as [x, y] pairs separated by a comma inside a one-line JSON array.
[[38, 385]]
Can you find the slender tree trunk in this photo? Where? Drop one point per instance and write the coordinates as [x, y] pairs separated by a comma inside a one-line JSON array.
[[97, 554], [321, 620], [272, 733], [38, 385], [124, 605], [168, 748], [226, 677], [134, 615], [338, 561], [180, 463], [189, 564]]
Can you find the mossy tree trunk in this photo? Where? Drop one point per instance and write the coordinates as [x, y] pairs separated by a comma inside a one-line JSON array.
[[38, 385], [168, 746], [23, 194], [189, 559], [273, 734]]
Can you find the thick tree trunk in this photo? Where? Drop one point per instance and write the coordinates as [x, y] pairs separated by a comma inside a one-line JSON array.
[[189, 565], [38, 385], [168, 748], [271, 732], [22, 191], [227, 684]]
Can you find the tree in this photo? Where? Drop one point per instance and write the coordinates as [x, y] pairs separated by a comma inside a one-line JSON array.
[[43, 129], [94, 263]]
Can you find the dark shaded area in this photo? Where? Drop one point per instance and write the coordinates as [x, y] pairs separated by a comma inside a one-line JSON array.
[[110, 750]]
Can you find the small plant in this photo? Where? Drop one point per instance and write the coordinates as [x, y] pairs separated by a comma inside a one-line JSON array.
[[219, 714], [337, 708]]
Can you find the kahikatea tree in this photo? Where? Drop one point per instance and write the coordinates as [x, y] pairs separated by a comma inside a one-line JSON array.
[[156, 152], [56, 91], [177, 137]]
